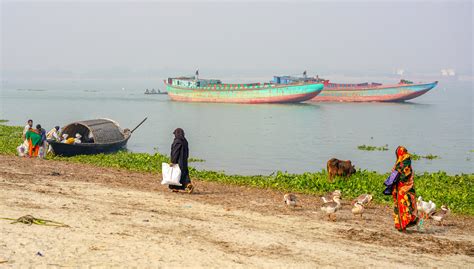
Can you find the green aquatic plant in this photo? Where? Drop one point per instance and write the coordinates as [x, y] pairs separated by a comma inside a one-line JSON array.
[[416, 157], [140, 162], [454, 191], [431, 157], [195, 160], [372, 148], [10, 139], [439, 187]]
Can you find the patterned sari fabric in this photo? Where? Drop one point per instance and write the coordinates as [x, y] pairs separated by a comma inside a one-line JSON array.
[[34, 141], [404, 196]]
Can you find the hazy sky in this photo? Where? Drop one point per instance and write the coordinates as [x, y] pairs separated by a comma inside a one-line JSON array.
[[90, 37]]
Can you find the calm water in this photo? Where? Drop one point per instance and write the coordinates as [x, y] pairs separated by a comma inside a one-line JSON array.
[[260, 139]]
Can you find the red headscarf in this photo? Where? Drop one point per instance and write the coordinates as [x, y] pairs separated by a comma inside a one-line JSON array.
[[402, 154]]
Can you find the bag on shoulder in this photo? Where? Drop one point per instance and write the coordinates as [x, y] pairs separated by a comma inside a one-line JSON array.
[[171, 174], [390, 182]]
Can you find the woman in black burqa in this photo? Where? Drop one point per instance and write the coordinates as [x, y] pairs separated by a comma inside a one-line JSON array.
[[179, 155]]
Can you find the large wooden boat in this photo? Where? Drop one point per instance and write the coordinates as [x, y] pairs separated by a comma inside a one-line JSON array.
[[373, 92], [365, 92], [98, 136], [191, 89]]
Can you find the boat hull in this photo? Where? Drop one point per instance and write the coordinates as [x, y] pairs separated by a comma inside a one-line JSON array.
[[68, 150], [383, 93], [253, 95]]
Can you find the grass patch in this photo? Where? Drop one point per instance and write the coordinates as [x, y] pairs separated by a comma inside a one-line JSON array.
[[372, 148], [3, 121], [455, 191]]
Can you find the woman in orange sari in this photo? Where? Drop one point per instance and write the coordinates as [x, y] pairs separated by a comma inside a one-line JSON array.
[[404, 196], [34, 141]]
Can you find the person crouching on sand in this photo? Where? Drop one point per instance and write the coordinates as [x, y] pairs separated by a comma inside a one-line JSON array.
[[180, 155]]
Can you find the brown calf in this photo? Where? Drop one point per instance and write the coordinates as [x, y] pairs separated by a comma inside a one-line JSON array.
[[337, 167]]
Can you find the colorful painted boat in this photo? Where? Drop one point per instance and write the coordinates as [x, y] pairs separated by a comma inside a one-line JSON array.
[[365, 92], [191, 89]]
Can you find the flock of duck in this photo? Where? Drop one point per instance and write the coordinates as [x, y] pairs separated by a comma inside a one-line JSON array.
[[332, 203]]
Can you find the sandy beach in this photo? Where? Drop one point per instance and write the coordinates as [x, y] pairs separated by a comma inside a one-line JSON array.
[[119, 218]]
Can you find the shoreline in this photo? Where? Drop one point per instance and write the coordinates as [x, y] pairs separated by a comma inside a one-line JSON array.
[[431, 186]]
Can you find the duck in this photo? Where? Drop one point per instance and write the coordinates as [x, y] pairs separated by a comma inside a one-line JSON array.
[[430, 209], [290, 199], [358, 209], [425, 208], [330, 208], [440, 215], [420, 204], [330, 196], [363, 199]]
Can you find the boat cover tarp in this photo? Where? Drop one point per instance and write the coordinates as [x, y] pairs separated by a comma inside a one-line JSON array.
[[103, 130]]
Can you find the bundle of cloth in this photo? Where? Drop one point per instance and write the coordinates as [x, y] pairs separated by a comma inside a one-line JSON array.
[[72, 140]]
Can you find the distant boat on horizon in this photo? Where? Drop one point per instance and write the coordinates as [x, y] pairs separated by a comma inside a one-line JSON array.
[[153, 91], [448, 72]]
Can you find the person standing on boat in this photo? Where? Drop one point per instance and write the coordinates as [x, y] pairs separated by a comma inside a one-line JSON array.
[[405, 212], [180, 155]]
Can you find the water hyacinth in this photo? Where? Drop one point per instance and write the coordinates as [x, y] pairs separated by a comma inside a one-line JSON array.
[[372, 148], [452, 190]]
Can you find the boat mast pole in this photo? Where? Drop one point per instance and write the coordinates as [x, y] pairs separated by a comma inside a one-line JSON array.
[[139, 124]]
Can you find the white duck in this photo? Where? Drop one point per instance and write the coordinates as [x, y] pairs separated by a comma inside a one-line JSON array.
[[358, 209], [440, 215], [329, 197], [363, 199], [331, 207], [290, 199], [425, 208], [430, 209]]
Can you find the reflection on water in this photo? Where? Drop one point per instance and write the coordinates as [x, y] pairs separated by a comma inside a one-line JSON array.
[[259, 139]]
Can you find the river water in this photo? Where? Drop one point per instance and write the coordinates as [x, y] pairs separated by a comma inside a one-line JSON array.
[[261, 139]]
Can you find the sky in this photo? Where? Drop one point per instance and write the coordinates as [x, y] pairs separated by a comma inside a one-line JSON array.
[[133, 39]]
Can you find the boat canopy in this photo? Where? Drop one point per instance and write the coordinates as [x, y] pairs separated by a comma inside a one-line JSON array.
[[102, 130]]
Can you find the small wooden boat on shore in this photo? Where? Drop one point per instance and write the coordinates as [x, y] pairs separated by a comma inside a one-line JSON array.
[[366, 92], [98, 136], [191, 89]]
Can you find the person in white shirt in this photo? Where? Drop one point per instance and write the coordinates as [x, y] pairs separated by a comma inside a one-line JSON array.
[[27, 127]]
